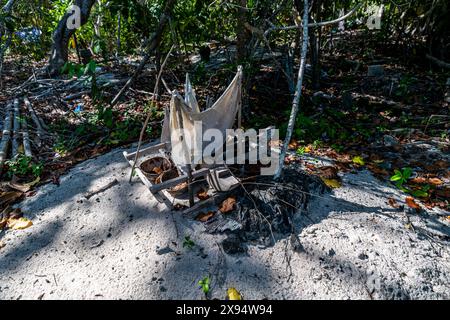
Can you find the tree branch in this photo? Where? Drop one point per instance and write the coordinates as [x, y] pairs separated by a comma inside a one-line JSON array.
[[317, 24]]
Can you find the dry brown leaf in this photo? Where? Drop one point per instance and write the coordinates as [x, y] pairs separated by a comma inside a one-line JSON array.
[[23, 187], [393, 203], [418, 180], [203, 194], [441, 164], [203, 217], [443, 193], [412, 204], [227, 205], [19, 224], [9, 197], [328, 172], [435, 181], [293, 145], [3, 223]]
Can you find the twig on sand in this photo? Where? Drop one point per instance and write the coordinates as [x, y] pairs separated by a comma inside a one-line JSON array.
[[104, 188]]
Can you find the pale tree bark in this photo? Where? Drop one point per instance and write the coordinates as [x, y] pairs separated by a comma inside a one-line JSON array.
[[298, 90], [62, 34]]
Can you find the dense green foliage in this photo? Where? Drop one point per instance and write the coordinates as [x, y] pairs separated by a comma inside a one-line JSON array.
[[197, 21]]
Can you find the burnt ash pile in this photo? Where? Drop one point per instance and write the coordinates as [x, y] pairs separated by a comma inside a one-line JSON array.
[[266, 208]]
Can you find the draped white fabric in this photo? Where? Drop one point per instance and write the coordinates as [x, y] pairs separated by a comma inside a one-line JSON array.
[[221, 116]]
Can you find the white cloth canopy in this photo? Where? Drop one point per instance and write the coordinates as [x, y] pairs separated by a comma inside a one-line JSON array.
[[221, 116]]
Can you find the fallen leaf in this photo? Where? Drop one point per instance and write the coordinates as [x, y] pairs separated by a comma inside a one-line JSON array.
[[358, 160], [55, 179], [435, 181], [332, 183], [328, 172], [19, 224], [443, 193], [293, 145], [441, 164], [393, 203], [24, 187], [203, 194], [227, 205], [2, 244], [9, 197], [418, 180], [233, 294], [377, 171], [412, 204], [3, 223], [203, 217]]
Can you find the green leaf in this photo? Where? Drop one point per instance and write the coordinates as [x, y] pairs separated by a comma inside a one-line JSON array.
[[419, 193], [407, 173], [397, 176]]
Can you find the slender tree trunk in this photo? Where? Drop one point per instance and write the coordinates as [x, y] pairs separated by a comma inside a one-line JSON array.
[[62, 34], [242, 33], [119, 31], [298, 91], [315, 39]]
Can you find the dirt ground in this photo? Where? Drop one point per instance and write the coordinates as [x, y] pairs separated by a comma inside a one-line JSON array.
[[122, 244]]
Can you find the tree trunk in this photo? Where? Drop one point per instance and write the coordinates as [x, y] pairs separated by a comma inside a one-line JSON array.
[[298, 91], [62, 34], [242, 33], [315, 41]]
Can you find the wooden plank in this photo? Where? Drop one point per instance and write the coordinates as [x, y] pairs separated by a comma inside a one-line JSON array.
[[144, 152]]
